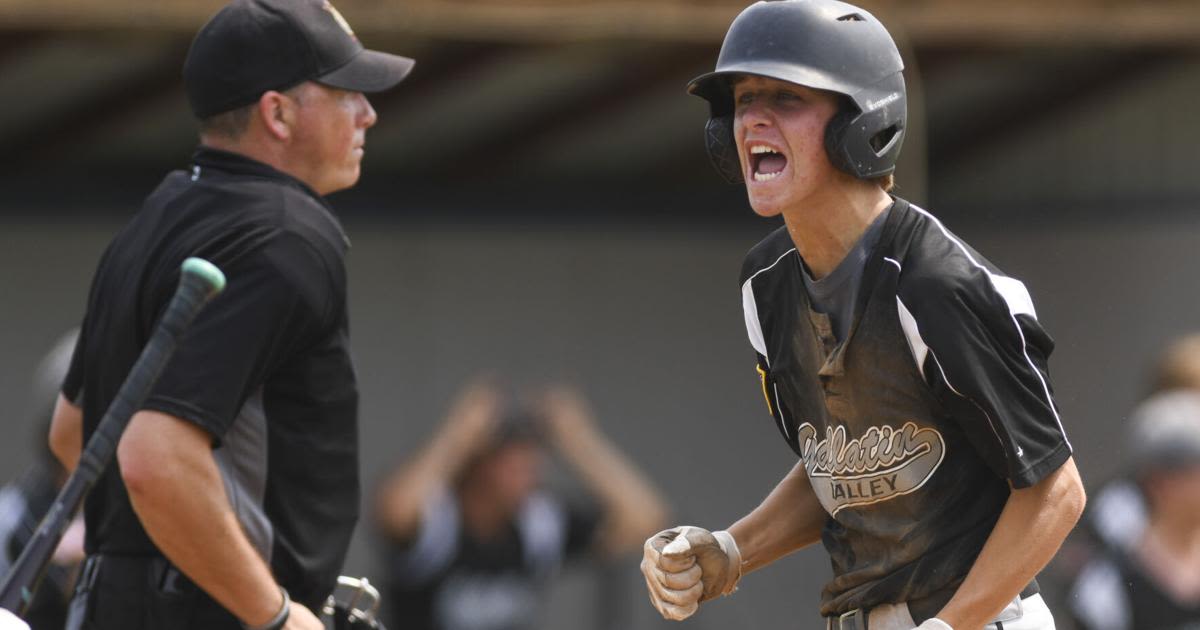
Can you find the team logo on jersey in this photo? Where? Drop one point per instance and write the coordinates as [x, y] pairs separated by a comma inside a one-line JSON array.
[[883, 464]]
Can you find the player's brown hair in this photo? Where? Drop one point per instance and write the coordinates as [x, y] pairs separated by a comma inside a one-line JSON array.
[[1179, 366], [886, 182]]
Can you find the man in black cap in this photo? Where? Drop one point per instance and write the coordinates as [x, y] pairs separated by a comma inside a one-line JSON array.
[[237, 487]]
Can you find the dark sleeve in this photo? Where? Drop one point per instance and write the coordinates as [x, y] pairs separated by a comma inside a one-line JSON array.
[[987, 362], [582, 521], [72, 385], [273, 306]]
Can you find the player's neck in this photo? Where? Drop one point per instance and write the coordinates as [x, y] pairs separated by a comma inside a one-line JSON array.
[[827, 225]]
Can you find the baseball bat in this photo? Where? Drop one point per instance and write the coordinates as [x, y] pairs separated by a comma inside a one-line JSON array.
[[199, 281]]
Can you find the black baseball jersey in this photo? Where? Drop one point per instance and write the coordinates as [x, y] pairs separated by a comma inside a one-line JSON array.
[[1115, 592], [265, 368], [911, 428], [448, 579]]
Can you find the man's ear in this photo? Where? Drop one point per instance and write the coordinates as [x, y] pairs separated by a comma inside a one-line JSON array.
[[277, 113]]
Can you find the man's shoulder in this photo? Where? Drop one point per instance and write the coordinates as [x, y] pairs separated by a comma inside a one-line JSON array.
[[247, 204], [240, 222], [941, 273], [935, 263], [767, 253]]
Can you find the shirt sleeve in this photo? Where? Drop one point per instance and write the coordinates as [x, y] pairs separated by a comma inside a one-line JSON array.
[[981, 348], [272, 307], [72, 386]]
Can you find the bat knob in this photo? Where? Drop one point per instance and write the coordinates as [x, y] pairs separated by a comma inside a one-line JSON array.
[[206, 272]]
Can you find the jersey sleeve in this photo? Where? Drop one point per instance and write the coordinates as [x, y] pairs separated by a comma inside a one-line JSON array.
[[977, 341], [275, 303], [72, 385], [73, 380]]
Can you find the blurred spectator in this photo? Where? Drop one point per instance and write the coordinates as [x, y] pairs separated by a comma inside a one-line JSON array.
[[24, 501], [474, 540], [1117, 514], [1151, 579], [1179, 366]]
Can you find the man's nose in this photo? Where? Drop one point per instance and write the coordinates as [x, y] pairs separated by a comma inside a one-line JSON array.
[[369, 117]]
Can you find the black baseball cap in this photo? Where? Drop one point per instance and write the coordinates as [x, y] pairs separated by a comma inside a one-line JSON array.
[[252, 46]]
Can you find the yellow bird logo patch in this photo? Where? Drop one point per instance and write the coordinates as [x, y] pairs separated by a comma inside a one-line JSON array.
[[762, 376]]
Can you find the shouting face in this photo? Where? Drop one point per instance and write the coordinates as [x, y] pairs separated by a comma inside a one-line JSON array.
[[780, 132]]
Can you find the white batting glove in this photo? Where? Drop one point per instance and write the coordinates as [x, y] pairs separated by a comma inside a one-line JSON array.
[[934, 624], [9, 621], [684, 566]]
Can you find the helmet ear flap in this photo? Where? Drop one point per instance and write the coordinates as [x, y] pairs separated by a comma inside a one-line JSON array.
[[835, 140], [722, 148]]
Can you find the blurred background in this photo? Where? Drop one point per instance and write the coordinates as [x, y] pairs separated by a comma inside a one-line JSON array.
[[536, 201]]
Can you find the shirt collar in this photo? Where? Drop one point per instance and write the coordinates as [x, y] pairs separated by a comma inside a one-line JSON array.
[[206, 157], [236, 163]]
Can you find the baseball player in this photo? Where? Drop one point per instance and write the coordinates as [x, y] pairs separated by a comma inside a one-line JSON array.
[[906, 371], [236, 490]]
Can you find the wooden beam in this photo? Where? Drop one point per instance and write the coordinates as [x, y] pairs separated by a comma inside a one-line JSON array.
[[1125, 23], [995, 122], [61, 131], [546, 118]]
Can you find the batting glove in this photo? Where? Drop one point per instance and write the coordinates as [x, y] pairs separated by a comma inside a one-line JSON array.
[[684, 566], [9, 621]]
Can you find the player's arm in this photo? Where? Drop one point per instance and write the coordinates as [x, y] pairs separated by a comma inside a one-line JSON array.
[[468, 426], [179, 496], [271, 306], [979, 344], [66, 433], [789, 519], [1033, 525], [66, 421], [685, 566], [633, 509]]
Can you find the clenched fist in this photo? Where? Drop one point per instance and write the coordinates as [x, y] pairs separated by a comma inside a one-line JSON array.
[[687, 565]]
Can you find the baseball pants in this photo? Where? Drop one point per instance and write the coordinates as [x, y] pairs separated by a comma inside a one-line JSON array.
[[1028, 613]]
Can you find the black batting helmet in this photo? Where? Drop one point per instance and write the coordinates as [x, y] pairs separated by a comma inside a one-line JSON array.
[[821, 44]]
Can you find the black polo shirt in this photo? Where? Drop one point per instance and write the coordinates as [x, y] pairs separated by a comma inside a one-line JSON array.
[[265, 368]]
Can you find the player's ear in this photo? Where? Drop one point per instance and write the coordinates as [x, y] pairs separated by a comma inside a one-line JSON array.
[[277, 112]]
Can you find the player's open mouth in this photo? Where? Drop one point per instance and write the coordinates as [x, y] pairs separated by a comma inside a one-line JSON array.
[[766, 163]]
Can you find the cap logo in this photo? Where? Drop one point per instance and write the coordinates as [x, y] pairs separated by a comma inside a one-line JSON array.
[[337, 16]]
